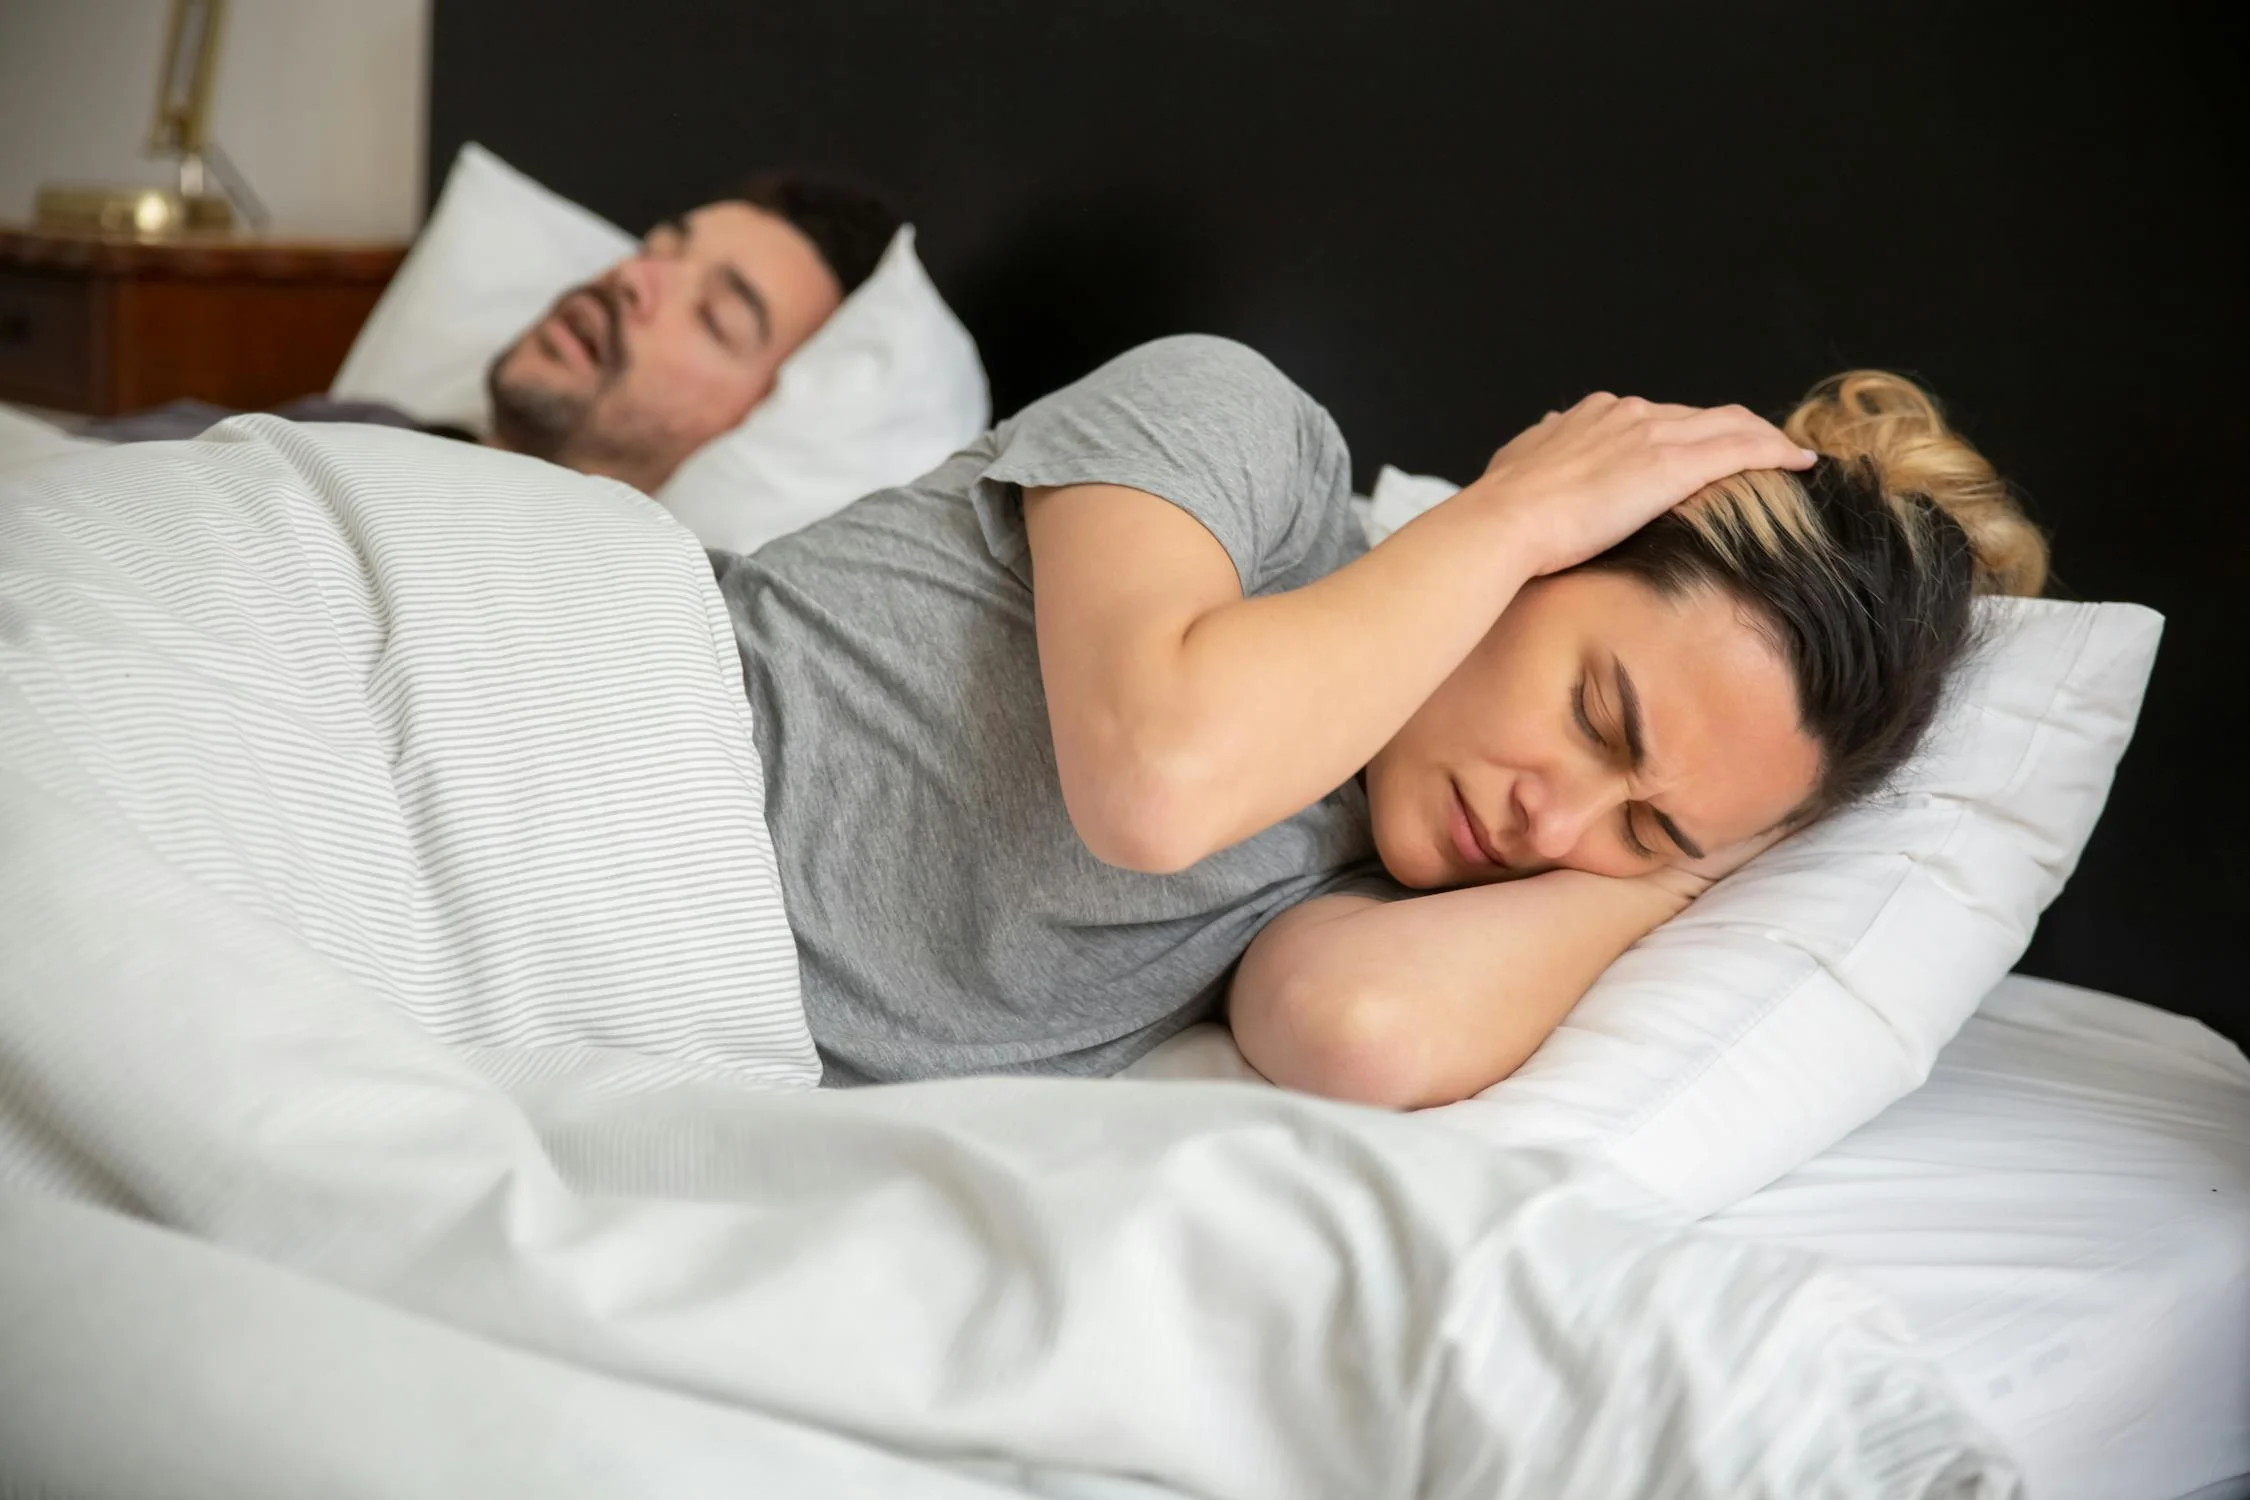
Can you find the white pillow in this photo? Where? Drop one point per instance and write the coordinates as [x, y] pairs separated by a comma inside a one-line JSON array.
[[497, 251], [883, 392], [1399, 497], [887, 390], [1799, 997]]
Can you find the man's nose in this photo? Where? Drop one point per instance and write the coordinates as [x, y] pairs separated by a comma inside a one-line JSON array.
[[639, 283]]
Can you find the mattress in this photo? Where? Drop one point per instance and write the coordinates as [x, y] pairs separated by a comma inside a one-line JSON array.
[[2063, 1215]]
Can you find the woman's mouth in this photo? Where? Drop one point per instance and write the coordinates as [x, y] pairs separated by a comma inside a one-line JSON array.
[[1468, 842]]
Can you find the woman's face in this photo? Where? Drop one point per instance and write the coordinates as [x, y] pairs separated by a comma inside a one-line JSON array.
[[1598, 726]]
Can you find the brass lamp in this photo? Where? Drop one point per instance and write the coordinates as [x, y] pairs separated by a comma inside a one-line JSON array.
[[180, 129]]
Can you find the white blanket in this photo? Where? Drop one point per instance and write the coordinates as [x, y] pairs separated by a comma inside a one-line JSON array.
[[376, 1116]]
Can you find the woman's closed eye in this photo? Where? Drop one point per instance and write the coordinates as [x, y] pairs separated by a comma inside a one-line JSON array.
[[1631, 837]]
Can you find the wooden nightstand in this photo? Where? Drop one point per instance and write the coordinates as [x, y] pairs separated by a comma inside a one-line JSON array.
[[105, 325]]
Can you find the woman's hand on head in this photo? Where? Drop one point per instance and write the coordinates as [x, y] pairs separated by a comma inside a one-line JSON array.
[[1583, 480]]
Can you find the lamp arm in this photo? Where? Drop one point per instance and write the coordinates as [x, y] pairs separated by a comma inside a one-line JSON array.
[[236, 186]]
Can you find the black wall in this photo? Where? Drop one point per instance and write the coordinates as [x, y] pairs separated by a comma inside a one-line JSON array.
[[1444, 219]]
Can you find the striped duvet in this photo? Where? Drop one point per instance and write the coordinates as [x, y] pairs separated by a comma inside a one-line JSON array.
[[467, 725]]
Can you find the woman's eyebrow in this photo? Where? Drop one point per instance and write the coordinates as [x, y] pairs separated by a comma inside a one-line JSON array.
[[1629, 713], [1636, 747]]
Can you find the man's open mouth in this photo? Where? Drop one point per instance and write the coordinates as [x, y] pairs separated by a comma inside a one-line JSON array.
[[586, 319]]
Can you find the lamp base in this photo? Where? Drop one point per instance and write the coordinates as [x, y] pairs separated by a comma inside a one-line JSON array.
[[145, 212]]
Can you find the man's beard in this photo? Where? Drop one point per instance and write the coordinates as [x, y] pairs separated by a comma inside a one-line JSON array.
[[530, 417]]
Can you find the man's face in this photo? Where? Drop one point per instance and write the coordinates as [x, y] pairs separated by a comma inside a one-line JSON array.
[[629, 374]]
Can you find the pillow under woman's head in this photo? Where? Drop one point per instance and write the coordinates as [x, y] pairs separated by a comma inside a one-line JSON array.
[[757, 364], [1812, 988]]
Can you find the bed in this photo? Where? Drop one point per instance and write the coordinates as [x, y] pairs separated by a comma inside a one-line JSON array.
[[2063, 1213], [381, 1023]]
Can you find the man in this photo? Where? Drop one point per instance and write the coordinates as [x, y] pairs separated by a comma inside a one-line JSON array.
[[631, 373]]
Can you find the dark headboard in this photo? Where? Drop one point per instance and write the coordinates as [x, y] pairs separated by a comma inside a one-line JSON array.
[[1443, 219]]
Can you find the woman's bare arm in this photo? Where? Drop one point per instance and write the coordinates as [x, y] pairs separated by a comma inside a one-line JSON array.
[[1411, 1003], [1430, 999], [1186, 717]]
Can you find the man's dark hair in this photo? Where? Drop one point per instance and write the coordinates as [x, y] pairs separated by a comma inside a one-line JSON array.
[[849, 223]]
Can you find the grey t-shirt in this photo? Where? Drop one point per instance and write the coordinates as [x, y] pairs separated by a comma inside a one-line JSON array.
[[949, 920]]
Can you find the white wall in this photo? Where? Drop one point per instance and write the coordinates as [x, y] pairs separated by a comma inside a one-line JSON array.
[[318, 102]]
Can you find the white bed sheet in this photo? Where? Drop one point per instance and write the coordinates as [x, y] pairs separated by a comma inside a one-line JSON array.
[[2063, 1214]]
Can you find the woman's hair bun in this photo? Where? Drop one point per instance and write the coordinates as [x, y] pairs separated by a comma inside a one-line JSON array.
[[1889, 422]]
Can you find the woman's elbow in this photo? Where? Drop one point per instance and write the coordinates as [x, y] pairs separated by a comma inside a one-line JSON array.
[[1355, 1045], [1144, 844], [1142, 816]]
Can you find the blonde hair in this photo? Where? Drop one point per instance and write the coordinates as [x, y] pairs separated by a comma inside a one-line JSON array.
[[1920, 464], [1861, 568]]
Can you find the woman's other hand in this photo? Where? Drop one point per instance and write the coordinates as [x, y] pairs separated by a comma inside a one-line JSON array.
[[1583, 480]]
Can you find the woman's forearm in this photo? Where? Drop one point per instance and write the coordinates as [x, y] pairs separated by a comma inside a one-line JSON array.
[[1428, 1000], [1301, 689], [1244, 713]]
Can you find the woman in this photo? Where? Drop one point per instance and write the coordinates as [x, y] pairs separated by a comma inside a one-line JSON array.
[[1112, 719]]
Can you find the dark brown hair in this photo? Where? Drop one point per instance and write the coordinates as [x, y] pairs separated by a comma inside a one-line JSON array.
[[848, 223]]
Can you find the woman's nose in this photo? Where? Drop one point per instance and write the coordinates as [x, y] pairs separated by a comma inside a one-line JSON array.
[[1558, 811]]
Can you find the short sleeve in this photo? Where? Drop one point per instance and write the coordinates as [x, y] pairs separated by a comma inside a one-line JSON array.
[[1202, 422]]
